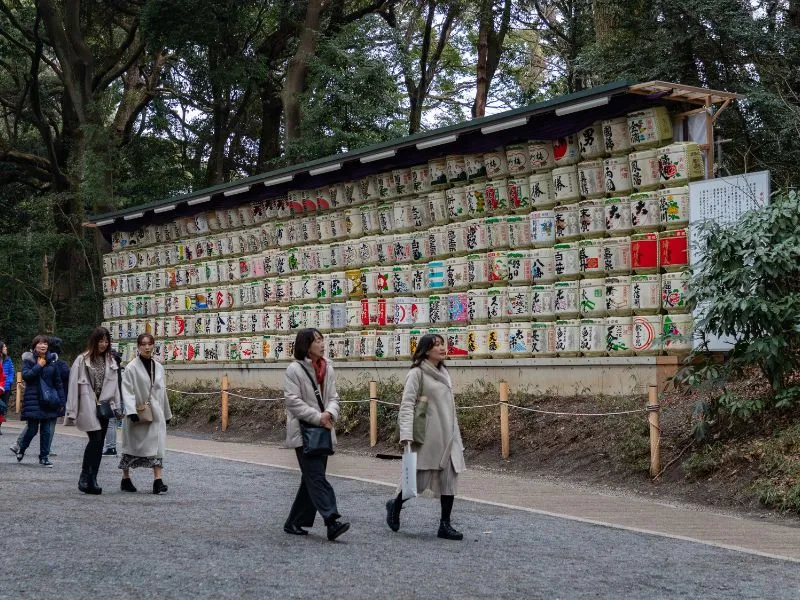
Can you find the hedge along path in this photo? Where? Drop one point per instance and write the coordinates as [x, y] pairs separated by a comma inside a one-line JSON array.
[[653, 410]]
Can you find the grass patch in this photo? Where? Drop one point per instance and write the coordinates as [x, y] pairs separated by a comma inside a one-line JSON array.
[[778, 483]]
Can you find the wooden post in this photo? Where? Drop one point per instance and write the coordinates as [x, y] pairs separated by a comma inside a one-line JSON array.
[[373, 413], [504, 445], [19, 392], [225, 387], [653, 417]]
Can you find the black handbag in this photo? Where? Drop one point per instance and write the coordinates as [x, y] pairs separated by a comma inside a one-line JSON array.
[[317, 440], [104, 410]]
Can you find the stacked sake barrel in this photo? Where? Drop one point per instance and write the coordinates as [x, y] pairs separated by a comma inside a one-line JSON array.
[[569, 247]]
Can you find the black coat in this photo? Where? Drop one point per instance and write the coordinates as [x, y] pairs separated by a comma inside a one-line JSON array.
[[34, 375]]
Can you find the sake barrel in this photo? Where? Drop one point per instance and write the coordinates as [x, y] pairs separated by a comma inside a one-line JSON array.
[[458, 308], [384, 249], [519, 194], [339, 316], [518, 230], [351, 345], [496, 232], [590, 141], [519, 263], [399, 347], [401, 248], [414, 335], [478, 341], [355, 287], [593, 337], [616, 139], [309, 201], [591, 179], [323, 198], [476, 236], [674, 291], [437, 207], [517, 159], [495, 163], [619, 336], [618, 295], [478, 305], [591, 258], [566, 299], [419, 278], [540, 155], [476, 200], [678, 330], [457, 273], [645, 211], [296, 320], [496, 304], [498, 268], [674, 249], [366, 344], [457, 342], [473, 164], [436, 242], [338, 286], [381, 276], [566, 188], [455, 235], [496, 196], [518, 302], [456, 169], [309, 230], [383, 344], [401, 280], [337, 196], [543, 228], [649, 127], [645, 294], [674, 205], [566, 151], [385, 213], [644, 253], [618, 216], [457, 205], [592, 301], [645, 174], [354, 314], [437, 309], [385, 312], [405, 311], [420, 212], [385, 185], [478, 270], [567, 261], [680, 163], [543, 339], [296, 285], [403, 182], [497, 340], [421, 179], [294, 203], [369, 218], [617, 175], [617, 255], [592, 218], [542, 191], [437, 168], [281, 315], [353, 223], [437, 276], [568, 333], [567, 223]]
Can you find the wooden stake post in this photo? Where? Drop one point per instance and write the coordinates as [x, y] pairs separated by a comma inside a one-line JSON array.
[[225, 387], [504, 437], [373, 413], [19, 392], [654, 417]]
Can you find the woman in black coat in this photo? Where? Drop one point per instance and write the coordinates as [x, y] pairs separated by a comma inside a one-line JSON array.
[[44, 399]]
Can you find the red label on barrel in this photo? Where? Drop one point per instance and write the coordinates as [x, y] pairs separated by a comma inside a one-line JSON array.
[[644, 251], [513, 195], [491, 197], [674, 248], [381, 311], [364, 311]]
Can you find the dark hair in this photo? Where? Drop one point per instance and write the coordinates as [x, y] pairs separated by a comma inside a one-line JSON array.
[[54, 344], [303, 341], [2, 343], [424, 345], [37, 340], [142, 337], [98, 335]]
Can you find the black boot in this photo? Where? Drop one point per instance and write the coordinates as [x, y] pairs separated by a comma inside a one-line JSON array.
[[159, 487], [83, 482], [126, 485], [393, 508], [447, 532], [336, 528], [91, 481]]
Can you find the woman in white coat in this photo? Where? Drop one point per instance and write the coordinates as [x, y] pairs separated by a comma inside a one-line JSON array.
[[310, 396], [144, 442], [92, 380], [440, 458]]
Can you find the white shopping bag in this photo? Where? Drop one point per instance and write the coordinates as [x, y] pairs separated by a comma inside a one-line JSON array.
[[409, 477]]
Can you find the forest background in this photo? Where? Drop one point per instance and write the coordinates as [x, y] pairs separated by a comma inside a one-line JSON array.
[[107, 104]]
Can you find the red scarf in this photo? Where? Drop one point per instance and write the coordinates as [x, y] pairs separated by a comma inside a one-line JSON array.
[[320, 368]]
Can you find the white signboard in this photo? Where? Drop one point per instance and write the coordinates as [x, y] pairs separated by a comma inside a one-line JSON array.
[[723, 200]]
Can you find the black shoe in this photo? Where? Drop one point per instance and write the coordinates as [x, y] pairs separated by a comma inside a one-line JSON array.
[[159, 487], [393, 515], [294, 529], [93, 487], [14, 449], [83, 482], [337, 528], [45, 462], [110, 452], [20, 456], [126, 485], [447, 532]]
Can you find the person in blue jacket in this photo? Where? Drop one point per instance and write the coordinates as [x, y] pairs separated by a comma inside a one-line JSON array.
[[44, 398], [8, 375], [63, 372]]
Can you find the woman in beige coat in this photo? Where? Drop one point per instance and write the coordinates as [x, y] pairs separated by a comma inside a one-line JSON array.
[[144, 444], [441, 457], [92, 380]]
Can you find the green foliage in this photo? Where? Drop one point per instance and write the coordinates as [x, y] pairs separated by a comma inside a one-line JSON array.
[[778, 482], [705, 461]]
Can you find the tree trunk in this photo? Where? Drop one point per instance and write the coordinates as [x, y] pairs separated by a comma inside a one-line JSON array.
[[296, 72], [485, 25], [269, 141], [605, 20]]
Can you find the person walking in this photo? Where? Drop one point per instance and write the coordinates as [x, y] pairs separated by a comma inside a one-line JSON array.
[[6, 381], [63, 372], [92, 383], [146, 408], [440, 458], [44, 398], [310, 396], [110, 445]]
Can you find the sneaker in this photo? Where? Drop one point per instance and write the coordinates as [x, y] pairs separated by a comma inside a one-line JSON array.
[[110, 452], [45, 462], [20, 456]]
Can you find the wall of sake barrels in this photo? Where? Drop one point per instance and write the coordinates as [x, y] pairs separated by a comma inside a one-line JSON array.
[[550, 248]]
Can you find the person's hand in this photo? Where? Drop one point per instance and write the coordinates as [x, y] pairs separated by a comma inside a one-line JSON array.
[[118, 414], [134, 418], [42, 361], [326, 420]]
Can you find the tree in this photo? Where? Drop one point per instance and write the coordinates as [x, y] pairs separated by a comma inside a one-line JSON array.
[[490, 49]]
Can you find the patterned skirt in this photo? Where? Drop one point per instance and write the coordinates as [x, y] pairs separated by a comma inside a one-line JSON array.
[[128, 461]]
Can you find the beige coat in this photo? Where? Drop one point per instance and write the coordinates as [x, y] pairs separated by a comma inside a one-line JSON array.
[[145, 439], [301, 403], [442, 434], [81, 404]]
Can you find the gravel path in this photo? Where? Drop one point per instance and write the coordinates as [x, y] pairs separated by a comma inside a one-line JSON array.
[[217, 534]]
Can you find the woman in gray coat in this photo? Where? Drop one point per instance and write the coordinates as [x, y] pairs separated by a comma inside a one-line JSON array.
[[440, 458], [309, 392], [92, 380]]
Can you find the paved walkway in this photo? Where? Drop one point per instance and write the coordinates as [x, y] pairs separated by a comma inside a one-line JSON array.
[[690, 523]]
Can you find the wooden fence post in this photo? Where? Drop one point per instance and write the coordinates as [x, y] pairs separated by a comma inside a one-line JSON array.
[[19, 392], [504, 441], [373, 413], [653, 417], [225, 387]]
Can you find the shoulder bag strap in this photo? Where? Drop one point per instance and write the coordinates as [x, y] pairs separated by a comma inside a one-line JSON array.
[[316, 388]]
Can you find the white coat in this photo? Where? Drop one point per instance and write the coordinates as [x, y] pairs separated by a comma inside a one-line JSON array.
[[144, 439], [301, 403], [81, 405]]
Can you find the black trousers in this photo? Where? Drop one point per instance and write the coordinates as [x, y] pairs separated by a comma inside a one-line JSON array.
[[93, 454], [315, 494]]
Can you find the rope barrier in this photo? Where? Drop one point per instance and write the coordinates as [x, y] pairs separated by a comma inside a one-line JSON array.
[[259, 399], [478, 406], [193, 393], [571, 414]]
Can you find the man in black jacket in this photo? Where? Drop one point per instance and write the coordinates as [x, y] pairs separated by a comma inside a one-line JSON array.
[[111, 433]]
